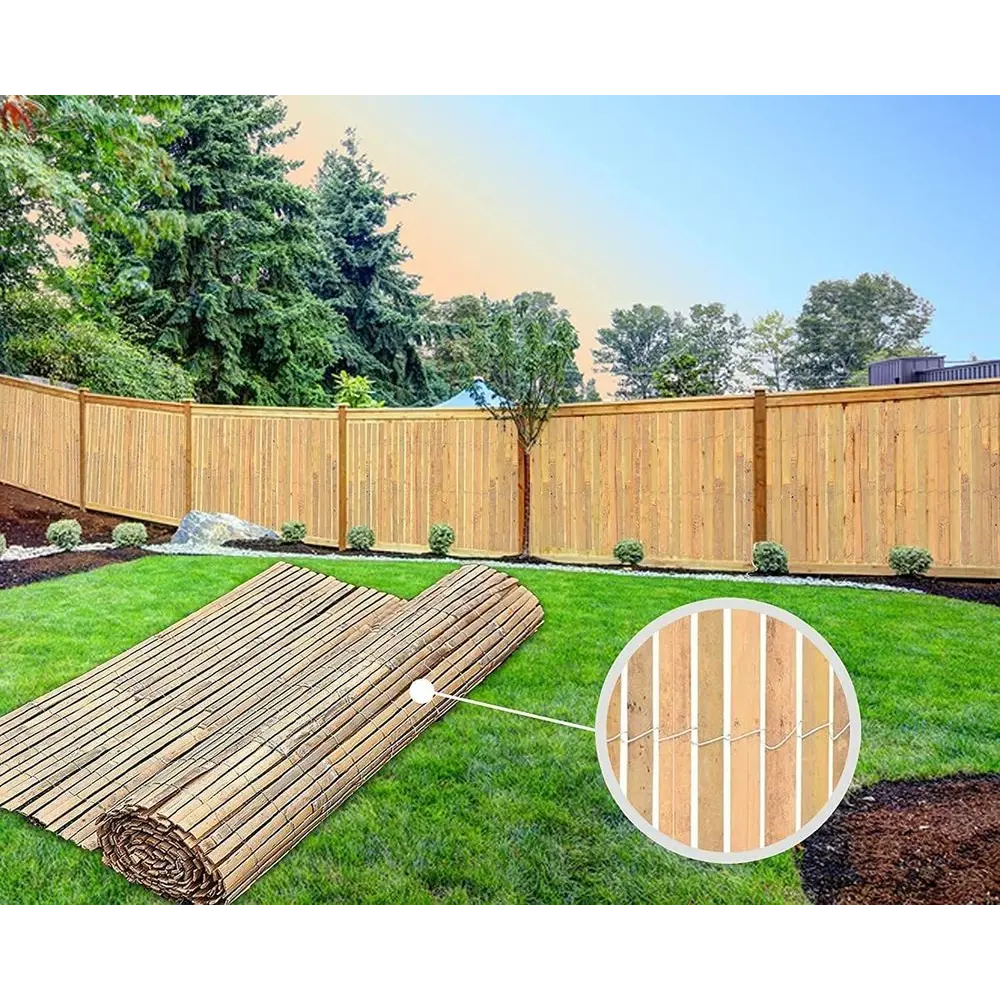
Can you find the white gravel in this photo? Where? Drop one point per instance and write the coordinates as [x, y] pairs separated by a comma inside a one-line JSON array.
[[170, 548], [16, 553]]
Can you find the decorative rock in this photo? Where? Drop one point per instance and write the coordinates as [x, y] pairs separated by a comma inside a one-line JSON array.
[[200, 528]]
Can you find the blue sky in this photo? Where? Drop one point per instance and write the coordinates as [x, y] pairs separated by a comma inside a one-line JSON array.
[[748, 201]]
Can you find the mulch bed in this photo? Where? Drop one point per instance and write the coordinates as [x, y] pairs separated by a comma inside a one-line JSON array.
[[980, 591], [935, 841], [24, 518]]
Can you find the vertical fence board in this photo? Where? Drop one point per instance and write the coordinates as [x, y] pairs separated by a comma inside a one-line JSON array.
[[675, 721], [640, 722], [816, 748], [745, 770], [779, 820], [710, 713]]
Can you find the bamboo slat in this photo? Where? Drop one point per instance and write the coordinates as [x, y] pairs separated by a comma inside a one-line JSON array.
[[209, 824]]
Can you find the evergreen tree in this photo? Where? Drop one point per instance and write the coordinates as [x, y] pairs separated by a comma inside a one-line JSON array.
[[362, 275], [229, 295]]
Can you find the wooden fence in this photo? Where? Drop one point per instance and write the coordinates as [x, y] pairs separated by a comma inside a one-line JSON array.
[[837, 477]]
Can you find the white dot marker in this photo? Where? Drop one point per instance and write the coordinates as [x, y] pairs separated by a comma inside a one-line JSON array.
[[422, 691]]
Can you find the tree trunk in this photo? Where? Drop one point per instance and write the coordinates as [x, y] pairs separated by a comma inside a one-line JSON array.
[[525, 459]]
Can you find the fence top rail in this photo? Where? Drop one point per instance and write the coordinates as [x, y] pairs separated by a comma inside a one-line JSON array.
[[97, 399], [48, 390], [879, 393]]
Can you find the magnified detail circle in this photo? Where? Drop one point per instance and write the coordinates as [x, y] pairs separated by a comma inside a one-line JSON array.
[[728, 730]]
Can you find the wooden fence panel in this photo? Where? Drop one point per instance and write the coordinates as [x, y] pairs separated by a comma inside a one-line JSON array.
[[268, 465], [851, 475], [410, 469], [40, 439], [135, 458], [676, 475]]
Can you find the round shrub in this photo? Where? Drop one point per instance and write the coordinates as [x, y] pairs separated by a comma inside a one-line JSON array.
[[129, 535], [361, 538], [908, 560], [770, 558], [629, 551], [66, 534], [3, 545], [293, 531], [440, 538]]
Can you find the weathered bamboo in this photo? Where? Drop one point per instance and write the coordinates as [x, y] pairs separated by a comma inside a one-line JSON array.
[[210, 823], [68, 757]]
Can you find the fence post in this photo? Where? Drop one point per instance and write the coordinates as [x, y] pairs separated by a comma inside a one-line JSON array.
[[188, 457], [342, 476], [759, 465], [82, 393]]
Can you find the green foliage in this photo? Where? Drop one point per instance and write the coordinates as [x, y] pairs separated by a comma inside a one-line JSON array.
[[86, 164], [908, 560], [630, 552], [361, 538], [844, 324], [440, 538], [770, 351], [129, 535], [293, 531], [770, 558], [82, 353], [361, 276], [355, 391], [229, 297], [694, 354], [683, 375], [66, 534]]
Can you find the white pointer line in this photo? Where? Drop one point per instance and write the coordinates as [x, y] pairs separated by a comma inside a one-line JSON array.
[[513, 711]]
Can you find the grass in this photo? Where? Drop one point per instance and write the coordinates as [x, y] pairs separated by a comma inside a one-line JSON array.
[[491, 808]]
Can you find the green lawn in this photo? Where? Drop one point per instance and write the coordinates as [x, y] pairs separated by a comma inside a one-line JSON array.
[[492, 808]]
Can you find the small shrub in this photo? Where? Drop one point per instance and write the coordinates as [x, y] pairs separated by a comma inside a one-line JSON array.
[[629, 551], [66, 534], [361, 537], [770, 558], [908, 560], [293, 531], [129, 535], [3, 545], [440, 538]]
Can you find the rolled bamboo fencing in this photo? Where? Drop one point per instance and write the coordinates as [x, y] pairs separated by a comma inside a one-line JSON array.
[[838, 477], [208, 825], [728, 730]]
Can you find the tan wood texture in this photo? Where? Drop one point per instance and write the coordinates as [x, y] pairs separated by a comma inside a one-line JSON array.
[[675, 721], [710, 713], [640, 724], [779, 772], [816, 748], [745, 746]]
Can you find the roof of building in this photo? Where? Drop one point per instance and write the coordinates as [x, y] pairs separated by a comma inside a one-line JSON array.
[[467, 400]]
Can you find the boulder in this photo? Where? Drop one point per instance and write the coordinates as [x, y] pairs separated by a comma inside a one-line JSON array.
[[201, 528]]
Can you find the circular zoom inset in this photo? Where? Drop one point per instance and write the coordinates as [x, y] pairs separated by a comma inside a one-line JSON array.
[[728, 730]]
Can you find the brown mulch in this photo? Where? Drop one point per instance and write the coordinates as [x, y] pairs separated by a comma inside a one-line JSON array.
[[24, 518], [935, 841]]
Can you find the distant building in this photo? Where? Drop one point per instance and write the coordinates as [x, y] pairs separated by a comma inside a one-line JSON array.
[[466, 400], [928, 368]]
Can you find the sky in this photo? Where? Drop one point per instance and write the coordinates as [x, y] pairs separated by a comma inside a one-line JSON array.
[[606, 202]]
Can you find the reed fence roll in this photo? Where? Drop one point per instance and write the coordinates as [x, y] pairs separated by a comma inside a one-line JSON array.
[[68, 757], [209, 824]]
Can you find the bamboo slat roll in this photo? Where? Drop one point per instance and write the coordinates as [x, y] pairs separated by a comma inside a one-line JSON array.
[[214, 820]]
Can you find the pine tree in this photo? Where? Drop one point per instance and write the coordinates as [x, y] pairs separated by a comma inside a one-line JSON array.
[[230, 298], [362, 276]]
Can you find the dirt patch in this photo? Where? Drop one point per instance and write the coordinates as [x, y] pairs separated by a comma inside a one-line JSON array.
[[24, 517], [934, 841], [16, 573]]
